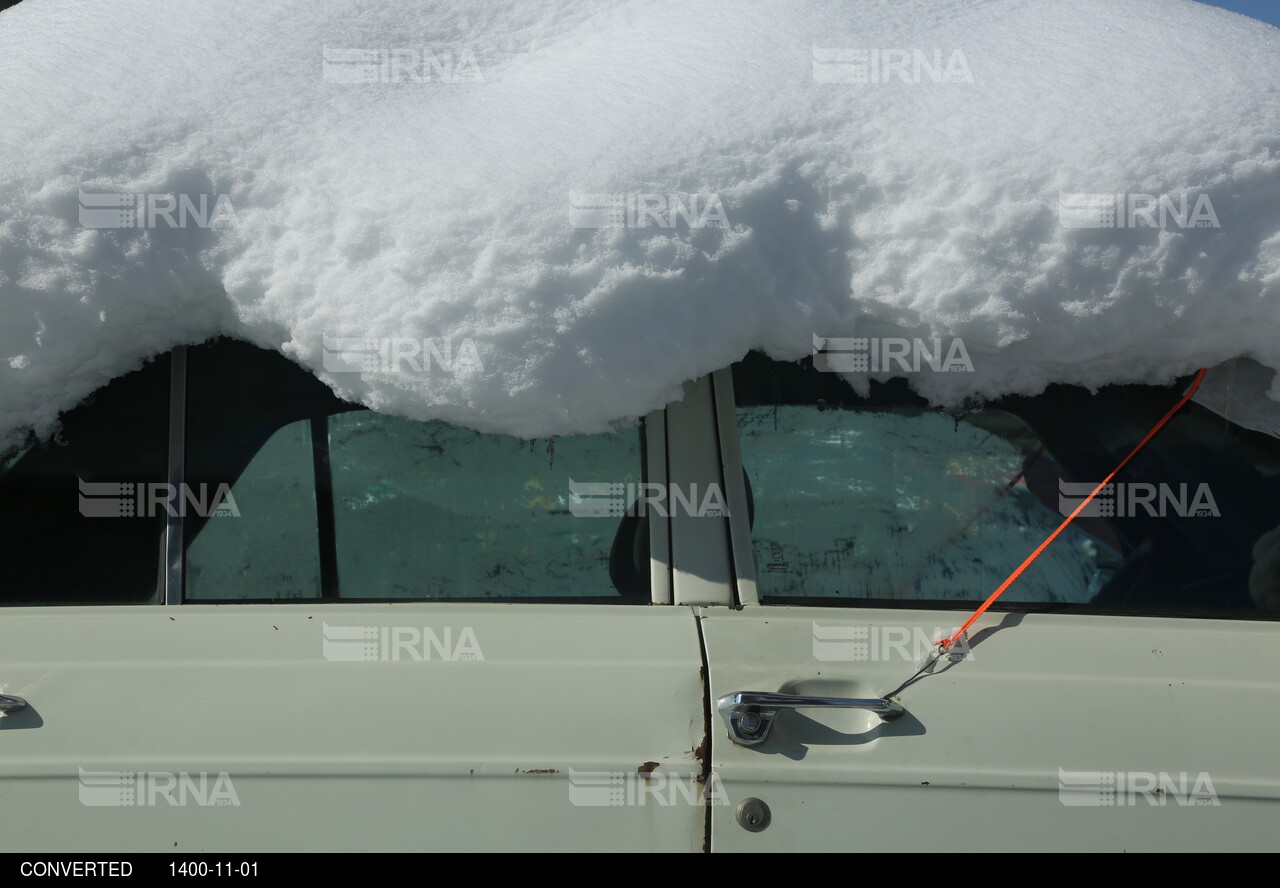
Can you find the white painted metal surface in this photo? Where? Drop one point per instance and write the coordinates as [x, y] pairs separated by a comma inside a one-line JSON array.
[[1055, 733], [471, 727]]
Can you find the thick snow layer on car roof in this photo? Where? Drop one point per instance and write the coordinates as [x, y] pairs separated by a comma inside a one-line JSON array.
[[569, 208]]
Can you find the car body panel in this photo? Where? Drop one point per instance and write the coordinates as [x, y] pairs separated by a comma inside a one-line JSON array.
[[438, 725], [466, 742], [1043, 737]]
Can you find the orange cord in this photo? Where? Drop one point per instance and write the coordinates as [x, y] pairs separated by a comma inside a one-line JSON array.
[[947, 642]]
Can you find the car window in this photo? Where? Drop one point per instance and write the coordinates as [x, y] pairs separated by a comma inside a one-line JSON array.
[[339, 502], [268, 547], [431, 509], [78, 524], [880, 498], [290, 493]]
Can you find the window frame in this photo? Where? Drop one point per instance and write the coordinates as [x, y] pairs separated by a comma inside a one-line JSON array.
[[172, 567], [746, 592]]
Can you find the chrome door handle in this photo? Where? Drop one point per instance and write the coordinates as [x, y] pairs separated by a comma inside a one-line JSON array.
[[749, 714], [11, 704]]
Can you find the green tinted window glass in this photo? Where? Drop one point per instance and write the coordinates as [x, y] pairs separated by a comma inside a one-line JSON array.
[[267, 546], [328, 500], [879, 498], [428, 509]]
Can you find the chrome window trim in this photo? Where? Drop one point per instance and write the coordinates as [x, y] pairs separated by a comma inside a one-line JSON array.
[[655, 431], [701, 563], [174, 576], [744, 566]]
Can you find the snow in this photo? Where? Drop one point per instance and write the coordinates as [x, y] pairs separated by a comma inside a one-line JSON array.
[[434, 206]]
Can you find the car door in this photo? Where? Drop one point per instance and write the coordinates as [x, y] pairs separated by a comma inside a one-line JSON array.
[[242, 615], [1121, 696]]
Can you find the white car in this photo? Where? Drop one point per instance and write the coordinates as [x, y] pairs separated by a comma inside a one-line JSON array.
[[245, 616]]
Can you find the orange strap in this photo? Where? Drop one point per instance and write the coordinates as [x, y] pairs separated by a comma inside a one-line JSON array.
[[947, 642]]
